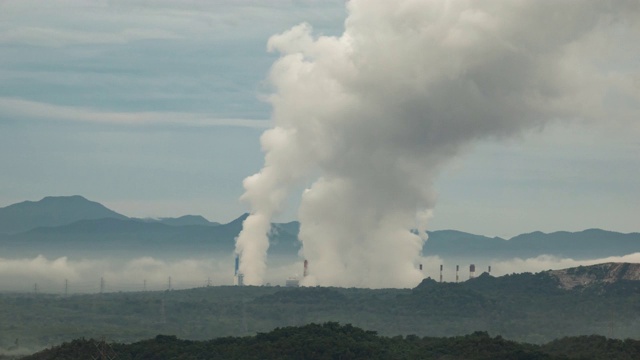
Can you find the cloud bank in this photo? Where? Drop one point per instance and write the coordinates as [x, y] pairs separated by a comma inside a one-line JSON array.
[[138, 274], [373, 115], [52, 275]]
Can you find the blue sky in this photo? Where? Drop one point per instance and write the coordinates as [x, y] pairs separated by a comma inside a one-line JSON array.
[[155, 109]]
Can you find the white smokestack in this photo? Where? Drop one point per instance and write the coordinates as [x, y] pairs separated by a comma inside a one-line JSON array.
[[378, 111]]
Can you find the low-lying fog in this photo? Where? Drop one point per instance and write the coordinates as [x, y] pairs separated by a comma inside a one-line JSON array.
[[57, 275]]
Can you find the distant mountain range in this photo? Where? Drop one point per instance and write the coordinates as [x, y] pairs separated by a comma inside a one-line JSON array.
[[57, 225]]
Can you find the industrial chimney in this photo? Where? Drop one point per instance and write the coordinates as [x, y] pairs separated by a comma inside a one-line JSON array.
[[238, 278], [306, 268], [472, 271]]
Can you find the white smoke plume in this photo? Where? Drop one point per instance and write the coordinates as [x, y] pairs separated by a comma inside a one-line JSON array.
[[377, 112]]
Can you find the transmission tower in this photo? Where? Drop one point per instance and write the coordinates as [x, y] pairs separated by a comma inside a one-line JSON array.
[[104, 351]]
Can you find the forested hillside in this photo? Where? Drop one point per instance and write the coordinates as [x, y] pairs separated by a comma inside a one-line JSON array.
[[334, 341], [532, 308]]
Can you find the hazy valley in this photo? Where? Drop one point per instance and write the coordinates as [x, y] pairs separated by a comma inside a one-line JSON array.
[[70, 244]]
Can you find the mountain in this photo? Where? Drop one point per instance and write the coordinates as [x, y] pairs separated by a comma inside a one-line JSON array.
[[123, 238], [580, 245], [51, 211], [188, 220], [587, 244], [127, 238], [452, 243], [181, 221], [60, 225]]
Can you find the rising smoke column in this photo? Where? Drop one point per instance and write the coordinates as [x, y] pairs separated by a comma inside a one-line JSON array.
[[378, 111]]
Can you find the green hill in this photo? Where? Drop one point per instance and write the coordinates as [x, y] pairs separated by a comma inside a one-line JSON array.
[[334, 341], [532, 308]]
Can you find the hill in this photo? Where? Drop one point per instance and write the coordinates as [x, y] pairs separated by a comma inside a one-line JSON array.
[[51, 211], [533, 308], [334, 341], [586, 276]]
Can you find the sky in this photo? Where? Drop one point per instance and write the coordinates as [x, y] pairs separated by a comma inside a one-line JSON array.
[[155, 109]]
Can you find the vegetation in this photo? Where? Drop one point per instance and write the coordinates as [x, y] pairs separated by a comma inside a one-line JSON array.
[[333, 341], [526, 307]]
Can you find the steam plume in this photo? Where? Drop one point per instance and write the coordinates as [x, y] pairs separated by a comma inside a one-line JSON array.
[[378, 111]]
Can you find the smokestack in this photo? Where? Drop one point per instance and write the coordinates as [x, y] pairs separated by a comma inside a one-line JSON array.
[[489, 270], [440, 273], [457, 269], [472, 271], [306, 268], [238, 278], [420, 267]]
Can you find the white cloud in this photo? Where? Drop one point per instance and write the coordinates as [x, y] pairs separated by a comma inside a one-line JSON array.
[[546, 262], [58, 38], [20, 110], [85, 276]]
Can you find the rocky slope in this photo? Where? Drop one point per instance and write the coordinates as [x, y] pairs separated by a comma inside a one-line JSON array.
[[601, 273]]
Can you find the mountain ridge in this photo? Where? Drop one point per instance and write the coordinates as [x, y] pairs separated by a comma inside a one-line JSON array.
[[86, 223], [51, 211]]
